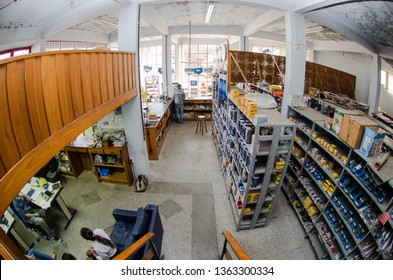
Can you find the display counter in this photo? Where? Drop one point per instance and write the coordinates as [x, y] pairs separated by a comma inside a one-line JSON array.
[[158, 128]]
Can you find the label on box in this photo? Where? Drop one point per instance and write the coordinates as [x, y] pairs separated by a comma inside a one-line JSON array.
[[384, 218]]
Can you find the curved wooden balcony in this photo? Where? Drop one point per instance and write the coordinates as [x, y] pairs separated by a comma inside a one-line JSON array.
[[47, 99]]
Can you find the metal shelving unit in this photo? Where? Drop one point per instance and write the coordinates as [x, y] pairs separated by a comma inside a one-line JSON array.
[[342, 216]]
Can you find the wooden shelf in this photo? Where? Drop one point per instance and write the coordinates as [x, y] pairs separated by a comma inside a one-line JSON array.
[[194, 108]]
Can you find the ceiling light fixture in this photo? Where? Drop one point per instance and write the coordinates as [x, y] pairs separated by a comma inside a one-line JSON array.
[[209, 12]]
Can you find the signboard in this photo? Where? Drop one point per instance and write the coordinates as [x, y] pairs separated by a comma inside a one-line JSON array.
[[198, 71], [208, 69], [193, 83], [147, 68], [160, 70], [189, 71]]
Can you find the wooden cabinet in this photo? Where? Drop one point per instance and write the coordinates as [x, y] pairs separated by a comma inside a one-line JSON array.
[[112, 164], [157, 130], [196, 107], [69, 163]]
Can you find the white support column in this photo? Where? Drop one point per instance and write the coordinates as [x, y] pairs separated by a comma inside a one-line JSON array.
[[39, 46], [295, 58], [311, 54], [177, 63], [244, 43], [167, 65], [128, 40], [375, 84]]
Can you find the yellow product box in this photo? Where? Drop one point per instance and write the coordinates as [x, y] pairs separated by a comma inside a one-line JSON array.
[[253, 197], [313, 211], [308, 202], [279, 165], [330, 190], [247, 210]]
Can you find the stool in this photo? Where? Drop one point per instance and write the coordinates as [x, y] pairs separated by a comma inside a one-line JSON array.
[[200, 122]]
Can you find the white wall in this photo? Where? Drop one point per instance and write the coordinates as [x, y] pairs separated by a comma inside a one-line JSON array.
[[355, 64], [386, 101]]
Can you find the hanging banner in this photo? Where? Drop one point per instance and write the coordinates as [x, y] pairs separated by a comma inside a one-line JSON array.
[[189, 71], [198, 71], [193, 83], [160, 70], [208, 69], [147, 68]]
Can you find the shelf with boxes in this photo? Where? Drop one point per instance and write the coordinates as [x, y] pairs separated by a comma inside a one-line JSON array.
[[253, 157], [69, 163], [112, 164], [198, 107], [352, 203]]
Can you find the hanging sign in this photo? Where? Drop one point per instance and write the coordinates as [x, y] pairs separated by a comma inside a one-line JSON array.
[[147, 68], [208, 69], [160, 70], [198, 71], [189, 71], [193, 83]]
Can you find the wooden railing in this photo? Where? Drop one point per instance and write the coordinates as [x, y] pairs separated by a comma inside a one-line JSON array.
[[134, 248], [47, 99], [235, 246]]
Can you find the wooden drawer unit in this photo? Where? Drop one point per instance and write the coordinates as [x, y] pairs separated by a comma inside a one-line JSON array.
[[112, 151]]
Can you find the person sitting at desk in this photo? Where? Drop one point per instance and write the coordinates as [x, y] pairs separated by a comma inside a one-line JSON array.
[[102, 246], [34, 254], [32, 216]]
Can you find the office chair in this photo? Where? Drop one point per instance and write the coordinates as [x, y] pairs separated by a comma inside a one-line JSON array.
[[53, 175], [35, 229]]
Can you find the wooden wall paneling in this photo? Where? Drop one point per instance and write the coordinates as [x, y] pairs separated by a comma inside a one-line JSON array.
[[111, 82], [103, 77], [133, 70], [35, 99], [121, 72], [125, 70], [116, 78], [76, 84], [86, 82], [18, 107], [9, 152], [64, 88], [3, 170], [51, 95], [95, 79], [130, 67]]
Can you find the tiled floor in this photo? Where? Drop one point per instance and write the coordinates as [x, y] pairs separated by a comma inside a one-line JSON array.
[[188, 186]]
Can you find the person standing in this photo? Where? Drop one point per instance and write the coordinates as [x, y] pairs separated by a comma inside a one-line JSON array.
[[179, 104]]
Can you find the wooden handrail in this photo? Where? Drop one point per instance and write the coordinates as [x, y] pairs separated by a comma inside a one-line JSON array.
[[237, 249], [134, 247]]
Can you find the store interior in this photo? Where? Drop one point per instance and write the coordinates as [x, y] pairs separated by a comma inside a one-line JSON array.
[[294, 164]]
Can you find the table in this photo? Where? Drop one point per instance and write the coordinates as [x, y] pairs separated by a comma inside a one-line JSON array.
[[40, 197]]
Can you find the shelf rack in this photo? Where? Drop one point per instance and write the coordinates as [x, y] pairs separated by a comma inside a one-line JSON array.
[[342, 216], [248, 159]]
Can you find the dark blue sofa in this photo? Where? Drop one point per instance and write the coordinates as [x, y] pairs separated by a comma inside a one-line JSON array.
[[132, 225]]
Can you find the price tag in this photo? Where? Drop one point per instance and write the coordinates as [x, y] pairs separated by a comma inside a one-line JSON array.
[[384, 218]]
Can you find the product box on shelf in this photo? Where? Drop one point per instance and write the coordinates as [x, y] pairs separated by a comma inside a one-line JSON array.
[[356, 130], [372, 141], [338, 118]]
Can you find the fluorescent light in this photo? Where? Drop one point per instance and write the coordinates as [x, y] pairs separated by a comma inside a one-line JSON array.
[[209, 13]]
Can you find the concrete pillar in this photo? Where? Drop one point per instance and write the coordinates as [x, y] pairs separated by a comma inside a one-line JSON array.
[[128, 40], [244, 43], [375, 84], [167, 65], [311, 54], [295, 58], [177, 63], [39, 46]]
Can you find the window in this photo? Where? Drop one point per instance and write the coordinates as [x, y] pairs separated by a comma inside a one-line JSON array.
[[14, 52], [264, 49], [387, 80], [72, 45]]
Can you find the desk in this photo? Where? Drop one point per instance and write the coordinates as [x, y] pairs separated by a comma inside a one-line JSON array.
[[39, 198], [16, 229]]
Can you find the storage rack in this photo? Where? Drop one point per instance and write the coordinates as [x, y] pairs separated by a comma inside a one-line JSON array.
[[197, 107], [347, 222], [253, 157], [69, 163], [152, 87]]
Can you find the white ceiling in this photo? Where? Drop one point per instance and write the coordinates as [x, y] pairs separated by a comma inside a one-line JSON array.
[[365, 26]]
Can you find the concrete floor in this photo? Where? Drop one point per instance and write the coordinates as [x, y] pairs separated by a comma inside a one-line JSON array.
[[188, 186]]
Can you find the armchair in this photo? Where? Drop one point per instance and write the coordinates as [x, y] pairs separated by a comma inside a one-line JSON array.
[[132, 225]]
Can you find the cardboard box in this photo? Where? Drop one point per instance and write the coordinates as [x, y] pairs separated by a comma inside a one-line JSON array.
[[372, 141], [338, 118], [357, 127]]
